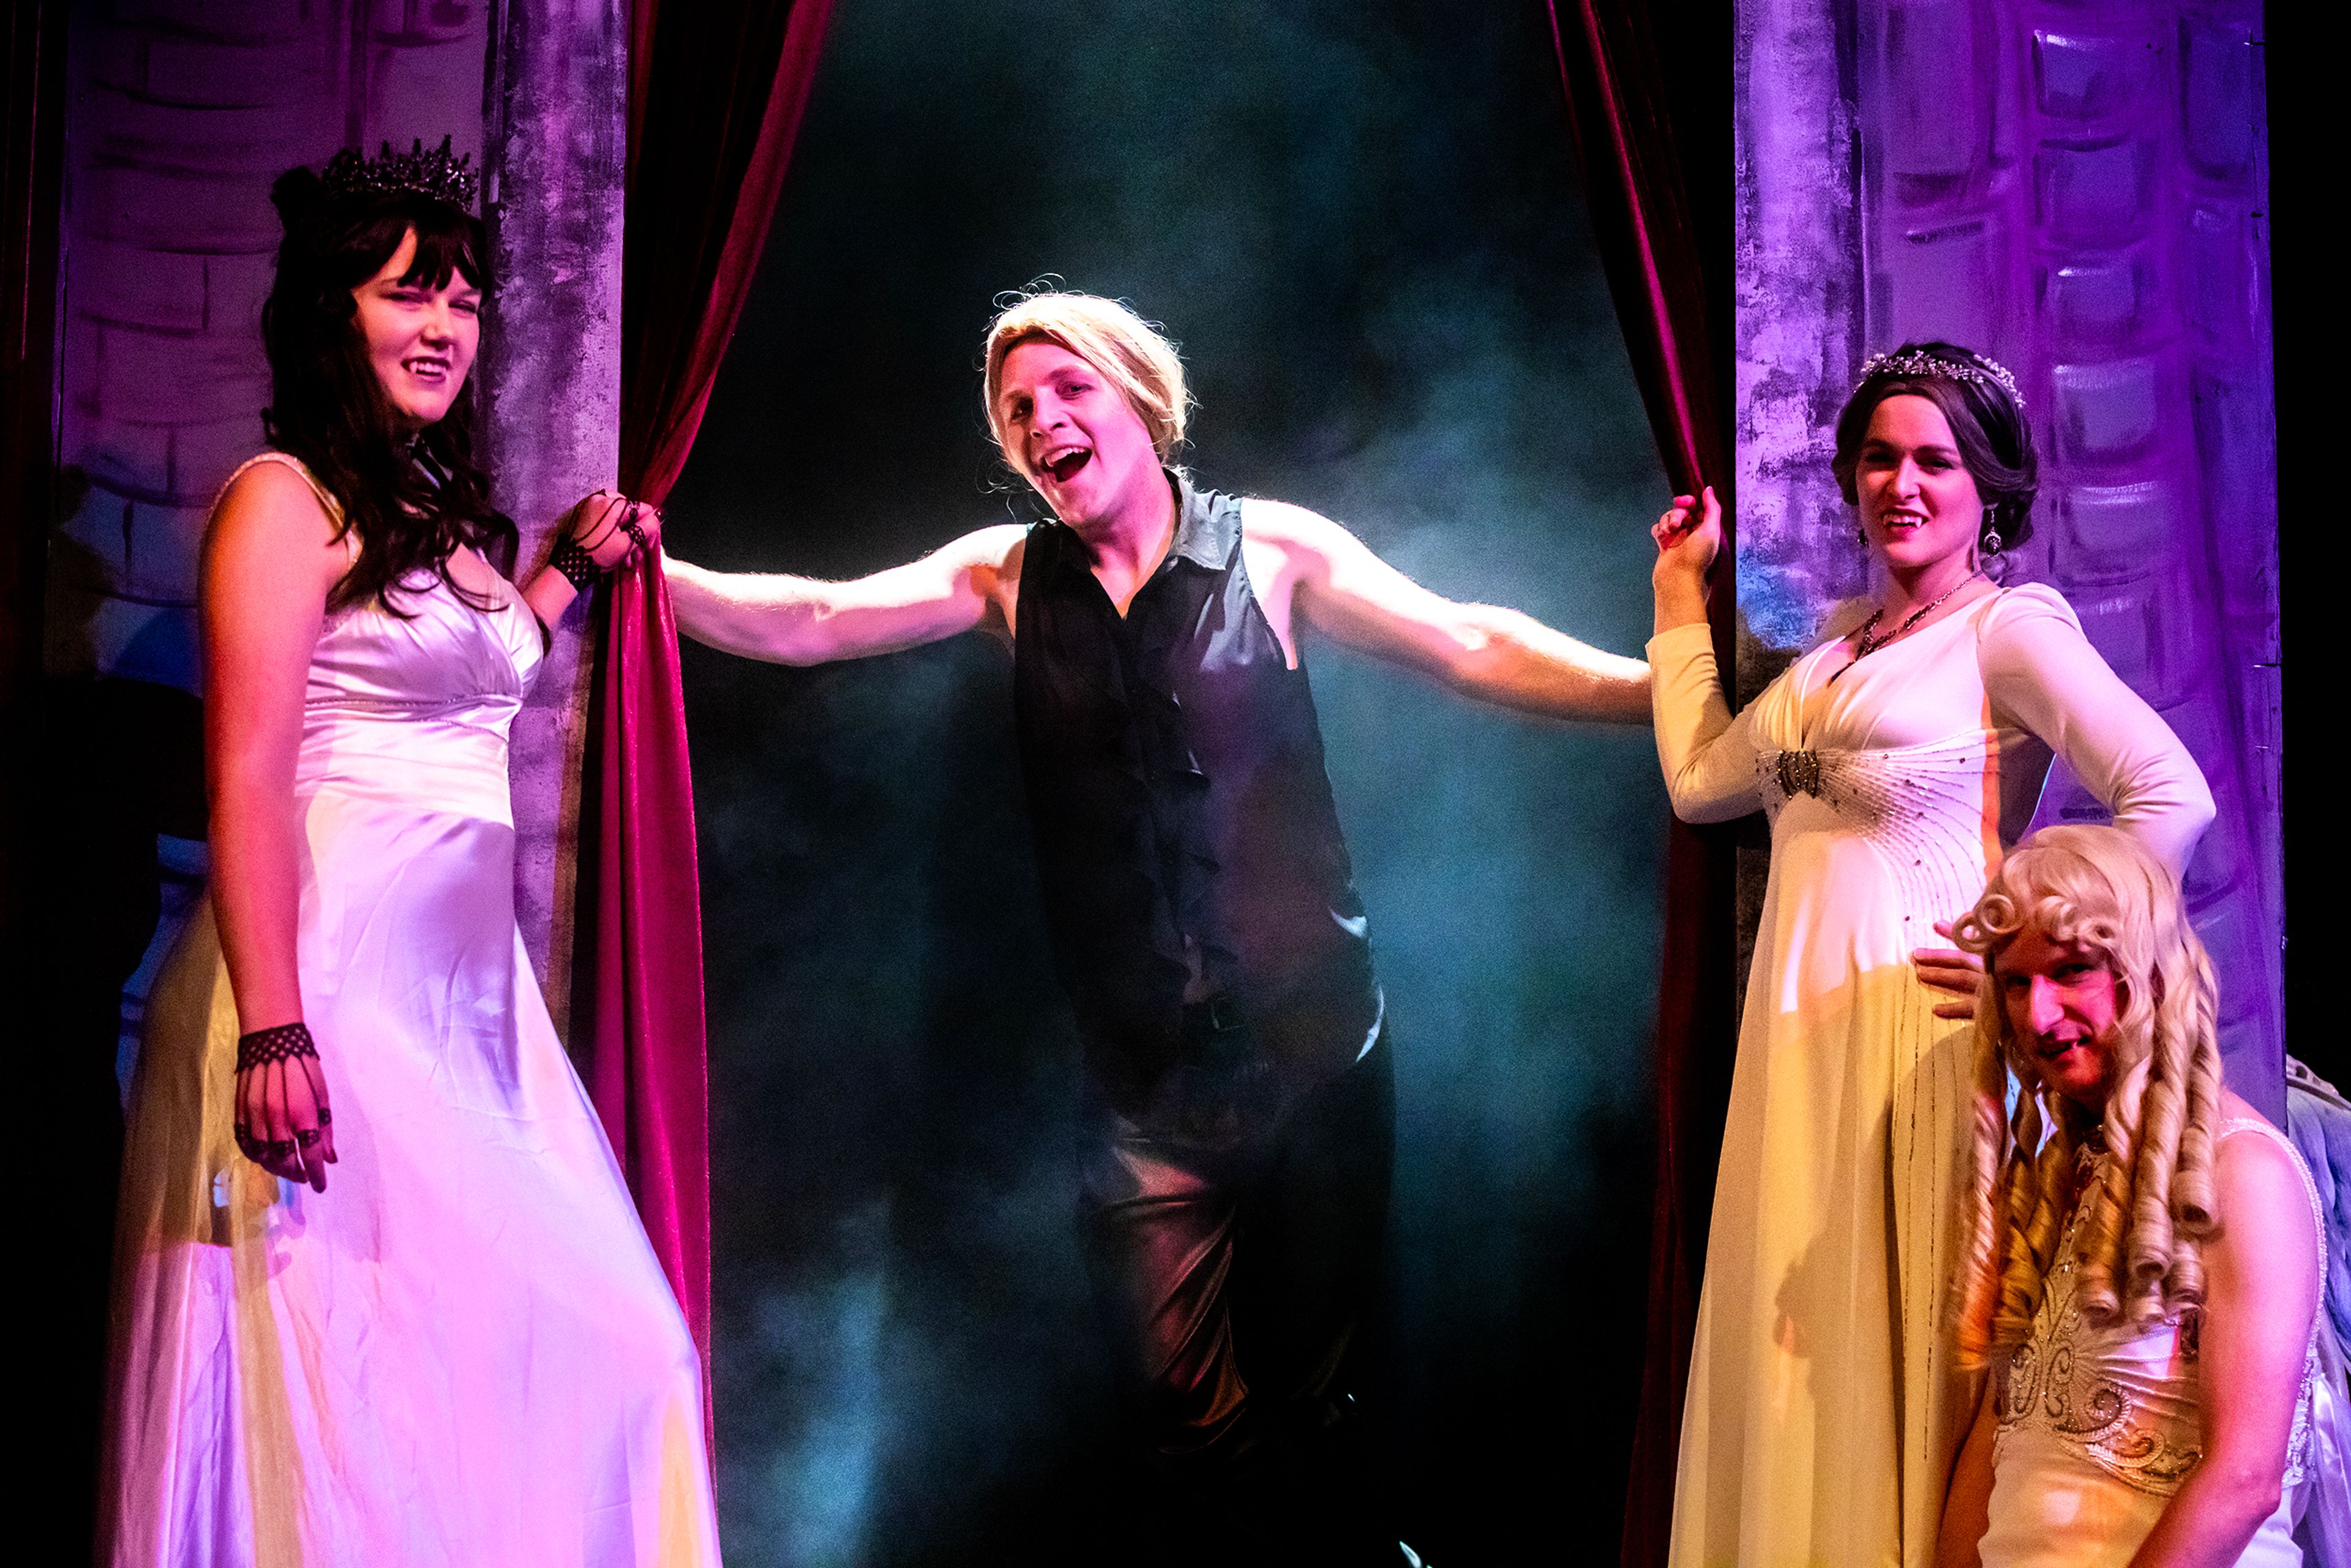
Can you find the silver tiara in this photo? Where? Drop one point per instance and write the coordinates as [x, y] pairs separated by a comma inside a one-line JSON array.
[[1989, 371]]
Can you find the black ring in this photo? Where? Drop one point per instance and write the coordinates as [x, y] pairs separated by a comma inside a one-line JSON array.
[[280, 1148], [326, 1117], [305, 1136]]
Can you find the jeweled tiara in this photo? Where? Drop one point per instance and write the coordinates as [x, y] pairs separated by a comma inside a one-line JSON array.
[[1989, 371], [436, 173]]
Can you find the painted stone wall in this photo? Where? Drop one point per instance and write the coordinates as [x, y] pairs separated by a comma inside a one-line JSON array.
[[183, 112], [2078, 189]]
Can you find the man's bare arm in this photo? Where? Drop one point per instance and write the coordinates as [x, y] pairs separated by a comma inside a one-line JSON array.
[[801, 621], [1486, 652]]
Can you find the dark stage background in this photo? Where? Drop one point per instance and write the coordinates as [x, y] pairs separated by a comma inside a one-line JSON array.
[[1361, 222]]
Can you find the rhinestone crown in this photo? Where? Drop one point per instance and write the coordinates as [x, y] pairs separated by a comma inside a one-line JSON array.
[[436, 173], [1989, 371]]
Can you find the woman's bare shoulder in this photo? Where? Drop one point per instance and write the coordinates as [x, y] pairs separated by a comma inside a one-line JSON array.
[[1284, 525], [1843, 618], [276, 499], [998, 546]]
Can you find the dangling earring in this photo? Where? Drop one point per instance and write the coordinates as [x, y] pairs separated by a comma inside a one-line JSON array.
[[1992, 565], [1860, 534]]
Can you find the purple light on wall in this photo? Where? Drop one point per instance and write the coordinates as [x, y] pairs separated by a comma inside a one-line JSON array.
[[2078, 188]]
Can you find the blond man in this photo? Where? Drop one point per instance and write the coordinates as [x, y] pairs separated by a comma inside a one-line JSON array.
[[1204, 917]]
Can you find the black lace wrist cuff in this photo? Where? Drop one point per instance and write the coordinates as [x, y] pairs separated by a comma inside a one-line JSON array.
[[284, 1044], [578, 567]]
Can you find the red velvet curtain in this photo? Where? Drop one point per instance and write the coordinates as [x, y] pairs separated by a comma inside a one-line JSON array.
[[715, 90], [1659, 251]]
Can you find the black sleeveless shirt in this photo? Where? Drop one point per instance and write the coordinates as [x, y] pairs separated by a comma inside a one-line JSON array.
[[1202, 912]]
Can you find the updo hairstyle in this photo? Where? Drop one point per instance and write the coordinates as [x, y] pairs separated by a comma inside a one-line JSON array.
[[1994, 438]]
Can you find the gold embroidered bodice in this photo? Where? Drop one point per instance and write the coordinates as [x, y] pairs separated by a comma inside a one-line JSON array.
[[2125, 1399]]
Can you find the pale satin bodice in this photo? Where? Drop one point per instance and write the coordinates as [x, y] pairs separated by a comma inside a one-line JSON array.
[[412, 703], [418, 709], [2100, 1425], [1932, 748]]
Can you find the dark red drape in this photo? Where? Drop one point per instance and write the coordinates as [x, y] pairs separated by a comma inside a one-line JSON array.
[[715, 90], [32, 143], [1667, 260]]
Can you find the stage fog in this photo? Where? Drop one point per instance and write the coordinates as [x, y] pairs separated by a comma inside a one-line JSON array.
[[1362, 224]]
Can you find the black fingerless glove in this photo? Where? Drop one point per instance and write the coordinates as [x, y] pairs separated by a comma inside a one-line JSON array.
[[286, 1043], [578, 567]]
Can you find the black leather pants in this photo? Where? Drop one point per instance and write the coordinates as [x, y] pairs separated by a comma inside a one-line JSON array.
[[1239, 1275]]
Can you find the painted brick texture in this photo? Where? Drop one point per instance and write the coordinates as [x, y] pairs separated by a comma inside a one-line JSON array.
[[183, 112]]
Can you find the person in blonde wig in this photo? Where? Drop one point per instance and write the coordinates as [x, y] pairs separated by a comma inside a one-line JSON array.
[[2157, 1135], [1198, 892], [2144, 1278]]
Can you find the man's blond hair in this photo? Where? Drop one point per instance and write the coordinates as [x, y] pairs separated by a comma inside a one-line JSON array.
[[1132, 353]]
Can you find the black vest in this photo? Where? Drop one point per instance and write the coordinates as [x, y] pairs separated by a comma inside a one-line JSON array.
[[1202, 910]]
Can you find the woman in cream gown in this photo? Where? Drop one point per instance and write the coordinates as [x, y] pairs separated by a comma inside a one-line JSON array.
[[389, 1303], [1895, 761]]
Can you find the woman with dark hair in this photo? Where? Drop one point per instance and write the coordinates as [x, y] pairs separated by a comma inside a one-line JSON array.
[[1895, 759], [381, 1293]]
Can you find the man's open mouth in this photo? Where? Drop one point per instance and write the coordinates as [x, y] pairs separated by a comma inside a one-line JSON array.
[[1065, 467]]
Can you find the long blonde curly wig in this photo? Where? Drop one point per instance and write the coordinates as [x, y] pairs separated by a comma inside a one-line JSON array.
[[2139, 1245]]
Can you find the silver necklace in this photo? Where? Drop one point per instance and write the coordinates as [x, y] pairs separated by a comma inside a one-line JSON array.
[[1872, 644]]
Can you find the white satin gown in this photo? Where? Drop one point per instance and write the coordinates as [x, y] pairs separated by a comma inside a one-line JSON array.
[[1824, 1405], [464, 1352]]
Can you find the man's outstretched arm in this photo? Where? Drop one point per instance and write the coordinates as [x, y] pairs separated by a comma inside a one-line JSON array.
[[1483, 651], [802, 621]]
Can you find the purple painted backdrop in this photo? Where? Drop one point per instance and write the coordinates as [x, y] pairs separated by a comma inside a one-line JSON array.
[[2078, 188], [182, 112]]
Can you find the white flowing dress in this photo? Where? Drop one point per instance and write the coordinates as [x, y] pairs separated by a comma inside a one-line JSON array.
[[464, 1351], [1824, 1407], [2099, 1428]]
